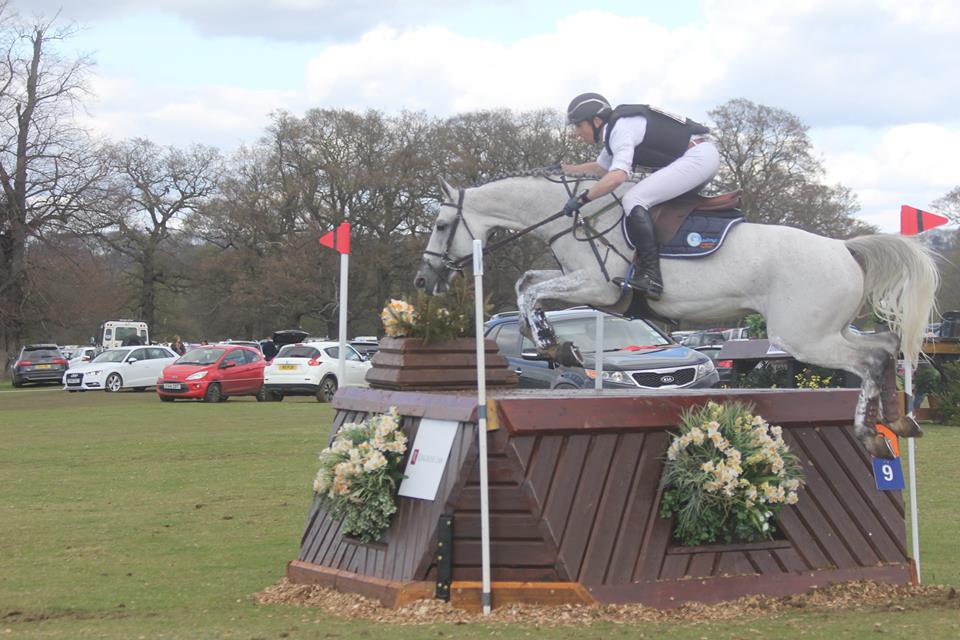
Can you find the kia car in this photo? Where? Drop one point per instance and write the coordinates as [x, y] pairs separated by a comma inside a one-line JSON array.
[[213, 373], [636, 354]]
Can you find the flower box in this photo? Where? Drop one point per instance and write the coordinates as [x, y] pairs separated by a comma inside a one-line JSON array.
[[405, 364]]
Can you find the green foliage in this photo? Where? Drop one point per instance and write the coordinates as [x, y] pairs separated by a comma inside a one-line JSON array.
[[926, 380], [766, 375], [948, 395], [359, 473], [757, 325], [433, 318], [813, 377], [727, 475]]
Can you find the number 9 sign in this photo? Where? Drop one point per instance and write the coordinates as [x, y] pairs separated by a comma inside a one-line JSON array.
[[888, 474]]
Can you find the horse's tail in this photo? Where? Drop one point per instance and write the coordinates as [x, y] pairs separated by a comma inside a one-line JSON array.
[[900, 282]]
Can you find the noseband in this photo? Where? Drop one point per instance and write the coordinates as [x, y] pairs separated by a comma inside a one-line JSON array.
[[449, 263]]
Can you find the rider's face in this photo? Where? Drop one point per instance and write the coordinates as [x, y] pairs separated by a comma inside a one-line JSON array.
[[584, 131]]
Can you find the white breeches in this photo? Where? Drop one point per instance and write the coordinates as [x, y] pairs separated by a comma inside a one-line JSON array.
[[693, 169]]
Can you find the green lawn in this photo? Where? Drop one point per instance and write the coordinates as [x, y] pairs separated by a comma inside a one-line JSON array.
[[124, 517]]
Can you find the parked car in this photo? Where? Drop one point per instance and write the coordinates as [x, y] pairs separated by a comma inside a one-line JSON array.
[[82, 354], [213, 373], [737, 333], [366, 345], [120, 368], [253, 344], [724, 367], [704, 339], [310, 369], [636, 355], [270, 347], [38, 363]]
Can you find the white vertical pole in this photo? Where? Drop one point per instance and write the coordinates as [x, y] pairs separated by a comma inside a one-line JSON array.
[[911, 457], [482, 425], [598, 363], [342, 360]]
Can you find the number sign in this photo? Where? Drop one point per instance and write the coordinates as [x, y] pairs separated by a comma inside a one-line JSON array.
[[888, 474]]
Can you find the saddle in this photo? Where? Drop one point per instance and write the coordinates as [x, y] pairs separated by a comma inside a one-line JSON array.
[[670, 215]]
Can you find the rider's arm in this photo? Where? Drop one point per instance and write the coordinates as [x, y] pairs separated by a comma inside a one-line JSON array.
[[592, 168], [610, 181]]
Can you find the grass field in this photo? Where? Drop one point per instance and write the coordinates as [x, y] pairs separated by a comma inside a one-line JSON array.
[[124, 517]]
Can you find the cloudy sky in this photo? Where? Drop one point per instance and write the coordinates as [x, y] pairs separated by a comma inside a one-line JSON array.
[[874, 79]]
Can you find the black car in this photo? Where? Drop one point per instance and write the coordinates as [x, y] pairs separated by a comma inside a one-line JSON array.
[[39, 363], [636, 355]]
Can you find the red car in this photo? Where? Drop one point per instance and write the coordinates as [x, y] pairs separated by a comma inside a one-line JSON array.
[[213, 373]]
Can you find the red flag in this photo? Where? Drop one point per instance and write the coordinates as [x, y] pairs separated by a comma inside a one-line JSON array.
[[339, 239], [914, 221]]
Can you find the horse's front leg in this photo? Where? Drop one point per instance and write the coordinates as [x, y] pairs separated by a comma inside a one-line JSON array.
[[526, 280], [902, 425], [574, 288]]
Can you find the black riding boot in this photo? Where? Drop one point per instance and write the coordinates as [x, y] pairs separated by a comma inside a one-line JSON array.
[[646, 273]]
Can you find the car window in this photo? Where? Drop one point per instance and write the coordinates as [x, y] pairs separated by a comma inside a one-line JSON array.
[[41, 354], [526, 344], [298, 351], [249, 356], [156, 353], [334, 352], [618, 333], [202, 356], [139, 354], [113, 355], [508, 339], [235, 357]]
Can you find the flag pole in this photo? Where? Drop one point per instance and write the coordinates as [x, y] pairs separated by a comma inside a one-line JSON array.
[[482, 425], [342, 360]]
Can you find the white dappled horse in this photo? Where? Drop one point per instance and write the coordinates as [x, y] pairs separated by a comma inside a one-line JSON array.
[[808, 287]]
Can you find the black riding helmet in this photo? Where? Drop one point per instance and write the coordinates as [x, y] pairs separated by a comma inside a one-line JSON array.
[[587, 106]]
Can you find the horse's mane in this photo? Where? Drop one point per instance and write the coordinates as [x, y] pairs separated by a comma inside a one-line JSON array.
[[550, 173]]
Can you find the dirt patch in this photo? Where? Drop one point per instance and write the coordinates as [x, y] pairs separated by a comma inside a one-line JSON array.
[[847, 596]]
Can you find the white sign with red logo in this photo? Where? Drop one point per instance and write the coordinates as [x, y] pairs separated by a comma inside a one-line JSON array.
[[428, 458]]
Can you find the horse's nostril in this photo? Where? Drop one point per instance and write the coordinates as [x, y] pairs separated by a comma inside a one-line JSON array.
[[420, 282]]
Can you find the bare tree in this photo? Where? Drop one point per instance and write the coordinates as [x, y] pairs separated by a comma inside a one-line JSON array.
[[143, 202], [949, 204], [766, 152], [46, 162]]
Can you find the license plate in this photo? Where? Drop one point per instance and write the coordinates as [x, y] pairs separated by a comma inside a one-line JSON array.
[[171, 385], [43, 366], [287, 367]]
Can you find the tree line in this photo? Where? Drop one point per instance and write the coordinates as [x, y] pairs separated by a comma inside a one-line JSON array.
[[210, 245]]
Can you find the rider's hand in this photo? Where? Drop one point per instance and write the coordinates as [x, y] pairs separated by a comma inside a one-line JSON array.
[[574, 203]]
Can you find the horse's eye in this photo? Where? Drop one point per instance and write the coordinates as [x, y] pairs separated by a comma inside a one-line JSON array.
[[441, 226]]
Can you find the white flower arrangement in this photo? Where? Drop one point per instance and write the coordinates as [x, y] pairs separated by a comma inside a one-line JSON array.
[[727, 475], [359, 473]]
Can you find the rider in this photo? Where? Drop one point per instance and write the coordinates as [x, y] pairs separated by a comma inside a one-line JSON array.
[[636, 135]]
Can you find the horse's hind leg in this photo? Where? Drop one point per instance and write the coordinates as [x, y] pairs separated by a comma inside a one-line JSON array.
[[902, 425]]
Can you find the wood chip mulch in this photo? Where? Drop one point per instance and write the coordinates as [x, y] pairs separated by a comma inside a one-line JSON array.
[[854, 596]]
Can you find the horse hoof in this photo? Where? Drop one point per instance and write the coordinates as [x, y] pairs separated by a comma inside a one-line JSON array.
[[878, 447], [906, 427], [568, 355]]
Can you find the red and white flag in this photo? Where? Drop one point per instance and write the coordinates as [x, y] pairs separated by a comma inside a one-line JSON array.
[[914, 221]]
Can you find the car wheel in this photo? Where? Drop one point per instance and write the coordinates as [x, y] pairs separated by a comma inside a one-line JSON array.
[[166, 399], [213, 393], [140, 389], [114, 383], [328, 389], [276, 397], [564, 387], [224, 398], [261, 395], [17, 383]]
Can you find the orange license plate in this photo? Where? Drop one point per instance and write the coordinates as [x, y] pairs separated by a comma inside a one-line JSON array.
[[43, 366]]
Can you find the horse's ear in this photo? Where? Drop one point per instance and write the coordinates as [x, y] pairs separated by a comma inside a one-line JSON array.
[[447, 189]]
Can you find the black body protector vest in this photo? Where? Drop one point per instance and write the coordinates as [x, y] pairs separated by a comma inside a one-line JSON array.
[[666, 139]]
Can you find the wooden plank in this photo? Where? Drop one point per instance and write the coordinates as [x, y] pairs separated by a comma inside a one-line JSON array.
[[517, 526], [516, 573], [500, 471], [564, 484], [790, 560], [827, 496], [720, 548], [442, 406], [701, 565], [502, 498], [586, 502], [507, 552], [805, 545], [893, 546], [610, 513], [765, 562], [523, 447], [734, 563], [658, 410], [467, 595], [849, 494], [673, 568], [540, 472], [633, 525], [657, 535]]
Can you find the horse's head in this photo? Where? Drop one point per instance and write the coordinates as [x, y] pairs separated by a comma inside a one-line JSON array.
[[451, 243]]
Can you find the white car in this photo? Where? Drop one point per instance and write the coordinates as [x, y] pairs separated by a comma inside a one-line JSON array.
[[310, 369], [121, 368]]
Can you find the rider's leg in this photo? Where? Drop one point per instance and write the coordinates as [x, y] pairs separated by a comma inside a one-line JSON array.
[[692, 170], [646, 273]]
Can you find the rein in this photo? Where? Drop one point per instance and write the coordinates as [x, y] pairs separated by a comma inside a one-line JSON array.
[[457, 264]]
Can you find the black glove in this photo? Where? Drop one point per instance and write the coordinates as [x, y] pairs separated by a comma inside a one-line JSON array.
[[574, 203]]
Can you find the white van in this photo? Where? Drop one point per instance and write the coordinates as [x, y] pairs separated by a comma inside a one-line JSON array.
[[113, 333]]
